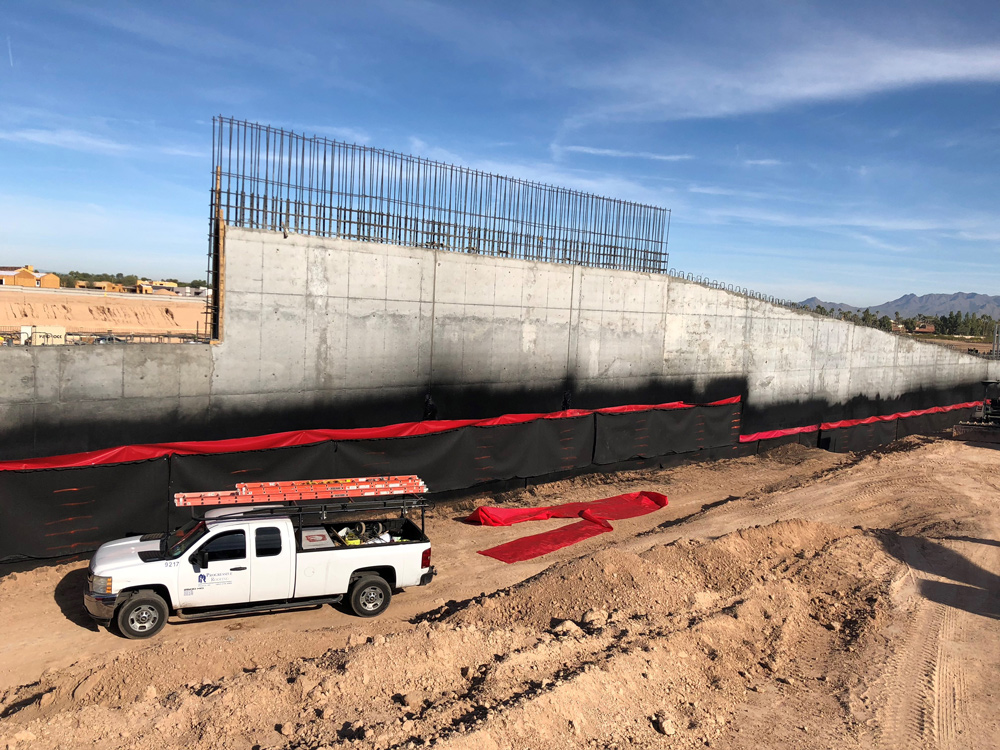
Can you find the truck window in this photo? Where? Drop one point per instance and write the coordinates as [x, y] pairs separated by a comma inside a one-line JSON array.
[[267, 541], [182, 539], [230, 545]]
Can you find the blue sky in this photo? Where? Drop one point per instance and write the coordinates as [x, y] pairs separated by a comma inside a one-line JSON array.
[[845, 150]]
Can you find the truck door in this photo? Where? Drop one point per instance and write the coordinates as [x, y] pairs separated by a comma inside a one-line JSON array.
[[273, 563], [225, 576]]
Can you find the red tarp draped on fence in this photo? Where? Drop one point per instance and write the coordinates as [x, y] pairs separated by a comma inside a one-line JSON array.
[[595, 515], [128, 453], [771, 434]]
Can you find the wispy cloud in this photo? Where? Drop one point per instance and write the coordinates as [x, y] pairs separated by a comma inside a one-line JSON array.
[[762, 162], [974, 236], [844, 67], [184, 151], [737, 193], [351, 135], [74, 140], [546, 173], [10, 52], [810, 57], [200, 40], [881, 244], [623, 154]]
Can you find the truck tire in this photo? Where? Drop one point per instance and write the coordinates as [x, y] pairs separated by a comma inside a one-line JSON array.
[[142, 616], [370, 595]]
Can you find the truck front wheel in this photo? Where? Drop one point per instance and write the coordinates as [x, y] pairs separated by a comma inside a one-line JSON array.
[[370, 596], [142, 616]]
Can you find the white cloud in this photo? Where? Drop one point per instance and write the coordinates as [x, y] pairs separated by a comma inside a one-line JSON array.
[[65, 138], [843, 67], [880, 244], [351, 135], [648, 72], [762, 162], [979, 236], [79, 140], [623, 154], [198, 39], [546, 173], [184, 151]]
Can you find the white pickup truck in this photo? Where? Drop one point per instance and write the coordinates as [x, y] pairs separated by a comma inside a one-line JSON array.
[[257, 559]]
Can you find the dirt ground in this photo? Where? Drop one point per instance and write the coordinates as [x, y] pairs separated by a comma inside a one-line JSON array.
[[798, 599], [95, 312]]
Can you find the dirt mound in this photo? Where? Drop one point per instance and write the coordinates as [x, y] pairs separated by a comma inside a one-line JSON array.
[[95, 312], [832, 601], [611, 649], [790, 453]]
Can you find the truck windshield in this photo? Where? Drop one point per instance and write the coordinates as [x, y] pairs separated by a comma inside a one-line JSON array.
[[180, 540]]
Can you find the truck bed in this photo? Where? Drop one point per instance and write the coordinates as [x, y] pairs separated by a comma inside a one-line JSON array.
[[325, 563], [326, 536]]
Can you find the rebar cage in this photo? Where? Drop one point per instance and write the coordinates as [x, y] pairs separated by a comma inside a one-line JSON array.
[[270, 178]]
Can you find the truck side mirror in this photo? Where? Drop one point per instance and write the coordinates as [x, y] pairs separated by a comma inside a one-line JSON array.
[[199, 558]]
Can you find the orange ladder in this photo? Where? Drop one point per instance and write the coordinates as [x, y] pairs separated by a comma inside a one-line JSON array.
[[305, 490]]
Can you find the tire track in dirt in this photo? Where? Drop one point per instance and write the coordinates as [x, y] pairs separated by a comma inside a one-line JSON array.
[[926, 686], [948, 689], [959, 621], [910, 683]]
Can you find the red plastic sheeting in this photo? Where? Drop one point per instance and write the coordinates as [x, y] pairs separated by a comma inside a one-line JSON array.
[[771, 434], [899, 415], [595, 515], [127, 453]]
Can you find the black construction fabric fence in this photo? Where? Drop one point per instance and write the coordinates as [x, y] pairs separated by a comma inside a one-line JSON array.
[[54, 512], [861, 437]]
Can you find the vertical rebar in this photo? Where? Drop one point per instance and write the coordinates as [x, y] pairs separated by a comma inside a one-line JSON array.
[[270, 178]]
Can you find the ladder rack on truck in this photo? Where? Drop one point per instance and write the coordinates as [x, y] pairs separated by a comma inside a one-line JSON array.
[[306, 489], [324, 510]]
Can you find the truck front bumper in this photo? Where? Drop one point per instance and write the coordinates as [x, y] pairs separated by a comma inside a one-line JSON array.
[[101, 606], [426, 577]]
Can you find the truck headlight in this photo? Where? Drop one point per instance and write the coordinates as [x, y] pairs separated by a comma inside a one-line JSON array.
[[101, 585]]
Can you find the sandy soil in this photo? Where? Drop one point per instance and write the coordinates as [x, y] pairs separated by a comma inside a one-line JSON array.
[[94, 312], [800, 599]]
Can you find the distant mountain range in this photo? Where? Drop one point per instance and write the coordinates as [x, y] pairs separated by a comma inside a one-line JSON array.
[[912, 306]]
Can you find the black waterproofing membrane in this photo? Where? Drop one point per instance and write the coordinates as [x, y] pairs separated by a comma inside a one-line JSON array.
[[808, 439], [54, 512], [928, 423], [861, 437], [57, 512], [660, 432]]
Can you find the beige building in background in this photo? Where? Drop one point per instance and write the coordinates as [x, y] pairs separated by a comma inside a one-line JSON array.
[[27, 276]]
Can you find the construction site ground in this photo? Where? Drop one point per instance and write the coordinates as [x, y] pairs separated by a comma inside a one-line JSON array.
[[797, 599], [96, 312]]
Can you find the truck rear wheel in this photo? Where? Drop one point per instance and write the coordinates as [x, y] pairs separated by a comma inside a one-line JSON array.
[[370, 596], [142, 616]]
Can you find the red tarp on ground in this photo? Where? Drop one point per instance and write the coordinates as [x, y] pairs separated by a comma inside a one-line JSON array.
[[595, 515]]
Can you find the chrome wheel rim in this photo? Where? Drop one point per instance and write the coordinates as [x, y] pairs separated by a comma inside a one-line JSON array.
[[143, 618], [371, 598]]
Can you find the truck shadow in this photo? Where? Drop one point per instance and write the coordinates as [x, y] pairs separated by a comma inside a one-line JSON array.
[[68, 596], [968, 586]]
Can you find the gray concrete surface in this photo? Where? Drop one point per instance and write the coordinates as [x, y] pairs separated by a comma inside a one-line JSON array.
[[314, 324]]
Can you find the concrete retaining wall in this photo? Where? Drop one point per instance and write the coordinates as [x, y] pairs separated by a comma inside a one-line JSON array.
[[332, 333]]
